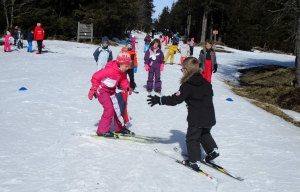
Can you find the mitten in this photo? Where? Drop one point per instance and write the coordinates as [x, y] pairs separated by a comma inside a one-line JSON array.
[[129, 90], [91, 94], [153, 100], [215, 68], [162, 67], [147, 68], [135, 69]]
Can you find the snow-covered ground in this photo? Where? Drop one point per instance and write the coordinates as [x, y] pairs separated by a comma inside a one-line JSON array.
[[39, 149]]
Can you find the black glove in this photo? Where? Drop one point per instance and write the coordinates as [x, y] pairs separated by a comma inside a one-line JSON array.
[[153, 100], [215, 68]]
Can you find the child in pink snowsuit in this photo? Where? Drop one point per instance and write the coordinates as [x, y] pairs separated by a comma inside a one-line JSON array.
[[7, 42], [104, 83]]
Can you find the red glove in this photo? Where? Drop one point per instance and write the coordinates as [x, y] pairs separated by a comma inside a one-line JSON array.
[[147, 68], [162, 67], [129, 90], [91, 94]]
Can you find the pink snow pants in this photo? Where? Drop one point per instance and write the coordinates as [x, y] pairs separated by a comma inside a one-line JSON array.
[[7, 46], [108, 113]]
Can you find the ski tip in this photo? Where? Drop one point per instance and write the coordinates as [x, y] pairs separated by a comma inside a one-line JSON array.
[[239, 178]]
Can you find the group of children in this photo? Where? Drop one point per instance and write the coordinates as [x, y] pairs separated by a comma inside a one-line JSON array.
[[195, 90], [18, 40]]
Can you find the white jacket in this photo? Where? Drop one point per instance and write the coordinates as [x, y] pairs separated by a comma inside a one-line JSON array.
[[184, 50]]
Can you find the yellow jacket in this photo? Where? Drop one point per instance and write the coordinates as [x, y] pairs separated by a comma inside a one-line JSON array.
[[173, 49]]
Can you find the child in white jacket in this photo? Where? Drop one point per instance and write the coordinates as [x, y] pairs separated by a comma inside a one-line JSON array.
[[103, 54], [184, 51]]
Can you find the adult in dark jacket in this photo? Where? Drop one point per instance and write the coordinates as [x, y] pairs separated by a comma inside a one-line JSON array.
[[198, 95], [29, 40], [19, 39], [152, 33], [15, 34]]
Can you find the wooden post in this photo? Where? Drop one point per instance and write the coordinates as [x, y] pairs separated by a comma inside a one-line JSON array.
[[92, 30], [78, 31]]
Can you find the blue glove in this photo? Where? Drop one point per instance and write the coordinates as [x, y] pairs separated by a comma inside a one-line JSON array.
[[135, 69]]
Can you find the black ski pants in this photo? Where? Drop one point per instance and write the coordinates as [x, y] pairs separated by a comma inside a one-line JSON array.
[[191, 50], [131, 78], [196, 136], [39, 43]]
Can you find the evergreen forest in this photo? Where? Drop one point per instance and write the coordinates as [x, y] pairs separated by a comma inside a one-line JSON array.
[[241, 24]]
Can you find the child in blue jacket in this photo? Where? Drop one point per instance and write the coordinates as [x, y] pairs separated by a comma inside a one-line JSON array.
[[29, 40]]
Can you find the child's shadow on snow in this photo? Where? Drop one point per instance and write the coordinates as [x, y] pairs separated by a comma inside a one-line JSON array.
[[179, 137]]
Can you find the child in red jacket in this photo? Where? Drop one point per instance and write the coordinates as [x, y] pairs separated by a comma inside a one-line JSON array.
[[104, 83]]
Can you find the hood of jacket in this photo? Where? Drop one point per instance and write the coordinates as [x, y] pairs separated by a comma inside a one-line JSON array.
[[184, 45], [113, 64], [193, 77]]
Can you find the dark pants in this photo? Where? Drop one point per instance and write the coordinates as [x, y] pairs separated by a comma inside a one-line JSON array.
[[39, 43], [131, 78], [191, 50], [154, 71], [196, 136]]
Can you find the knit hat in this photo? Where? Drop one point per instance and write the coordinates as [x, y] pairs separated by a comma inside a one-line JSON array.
[[123, 57], [128, 42], [104, 40]]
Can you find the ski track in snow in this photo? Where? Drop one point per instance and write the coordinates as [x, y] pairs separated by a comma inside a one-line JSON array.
[[41, 149]]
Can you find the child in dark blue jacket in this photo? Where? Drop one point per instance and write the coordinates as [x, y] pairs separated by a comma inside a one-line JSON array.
[[29, 40]]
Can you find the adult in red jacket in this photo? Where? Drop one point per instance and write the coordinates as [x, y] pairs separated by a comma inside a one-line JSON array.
[[39, 34]]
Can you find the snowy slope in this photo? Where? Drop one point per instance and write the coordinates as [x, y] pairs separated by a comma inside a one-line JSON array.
[[39, 151]]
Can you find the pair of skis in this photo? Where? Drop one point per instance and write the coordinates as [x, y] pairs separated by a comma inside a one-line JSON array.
[[209, 164], [153, 140], [133, 138]]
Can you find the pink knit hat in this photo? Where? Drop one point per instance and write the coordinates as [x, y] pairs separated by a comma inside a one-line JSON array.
[[123, 57]]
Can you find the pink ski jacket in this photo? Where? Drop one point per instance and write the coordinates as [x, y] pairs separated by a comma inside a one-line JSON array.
[[108, 78]]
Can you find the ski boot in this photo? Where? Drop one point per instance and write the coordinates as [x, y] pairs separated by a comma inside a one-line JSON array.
[[195, 166], [212, 155], [125, 131], [106, 134], [158, 91]]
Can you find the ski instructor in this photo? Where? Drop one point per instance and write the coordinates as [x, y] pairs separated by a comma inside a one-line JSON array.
[[39, 37]]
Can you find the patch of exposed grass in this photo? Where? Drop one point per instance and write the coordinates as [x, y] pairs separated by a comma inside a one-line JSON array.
[[270, 87], [275, 111]]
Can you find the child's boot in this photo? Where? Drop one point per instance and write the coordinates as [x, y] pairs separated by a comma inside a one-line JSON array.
[[125, 131], [106, 134], [195, 165], [212, 155]]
